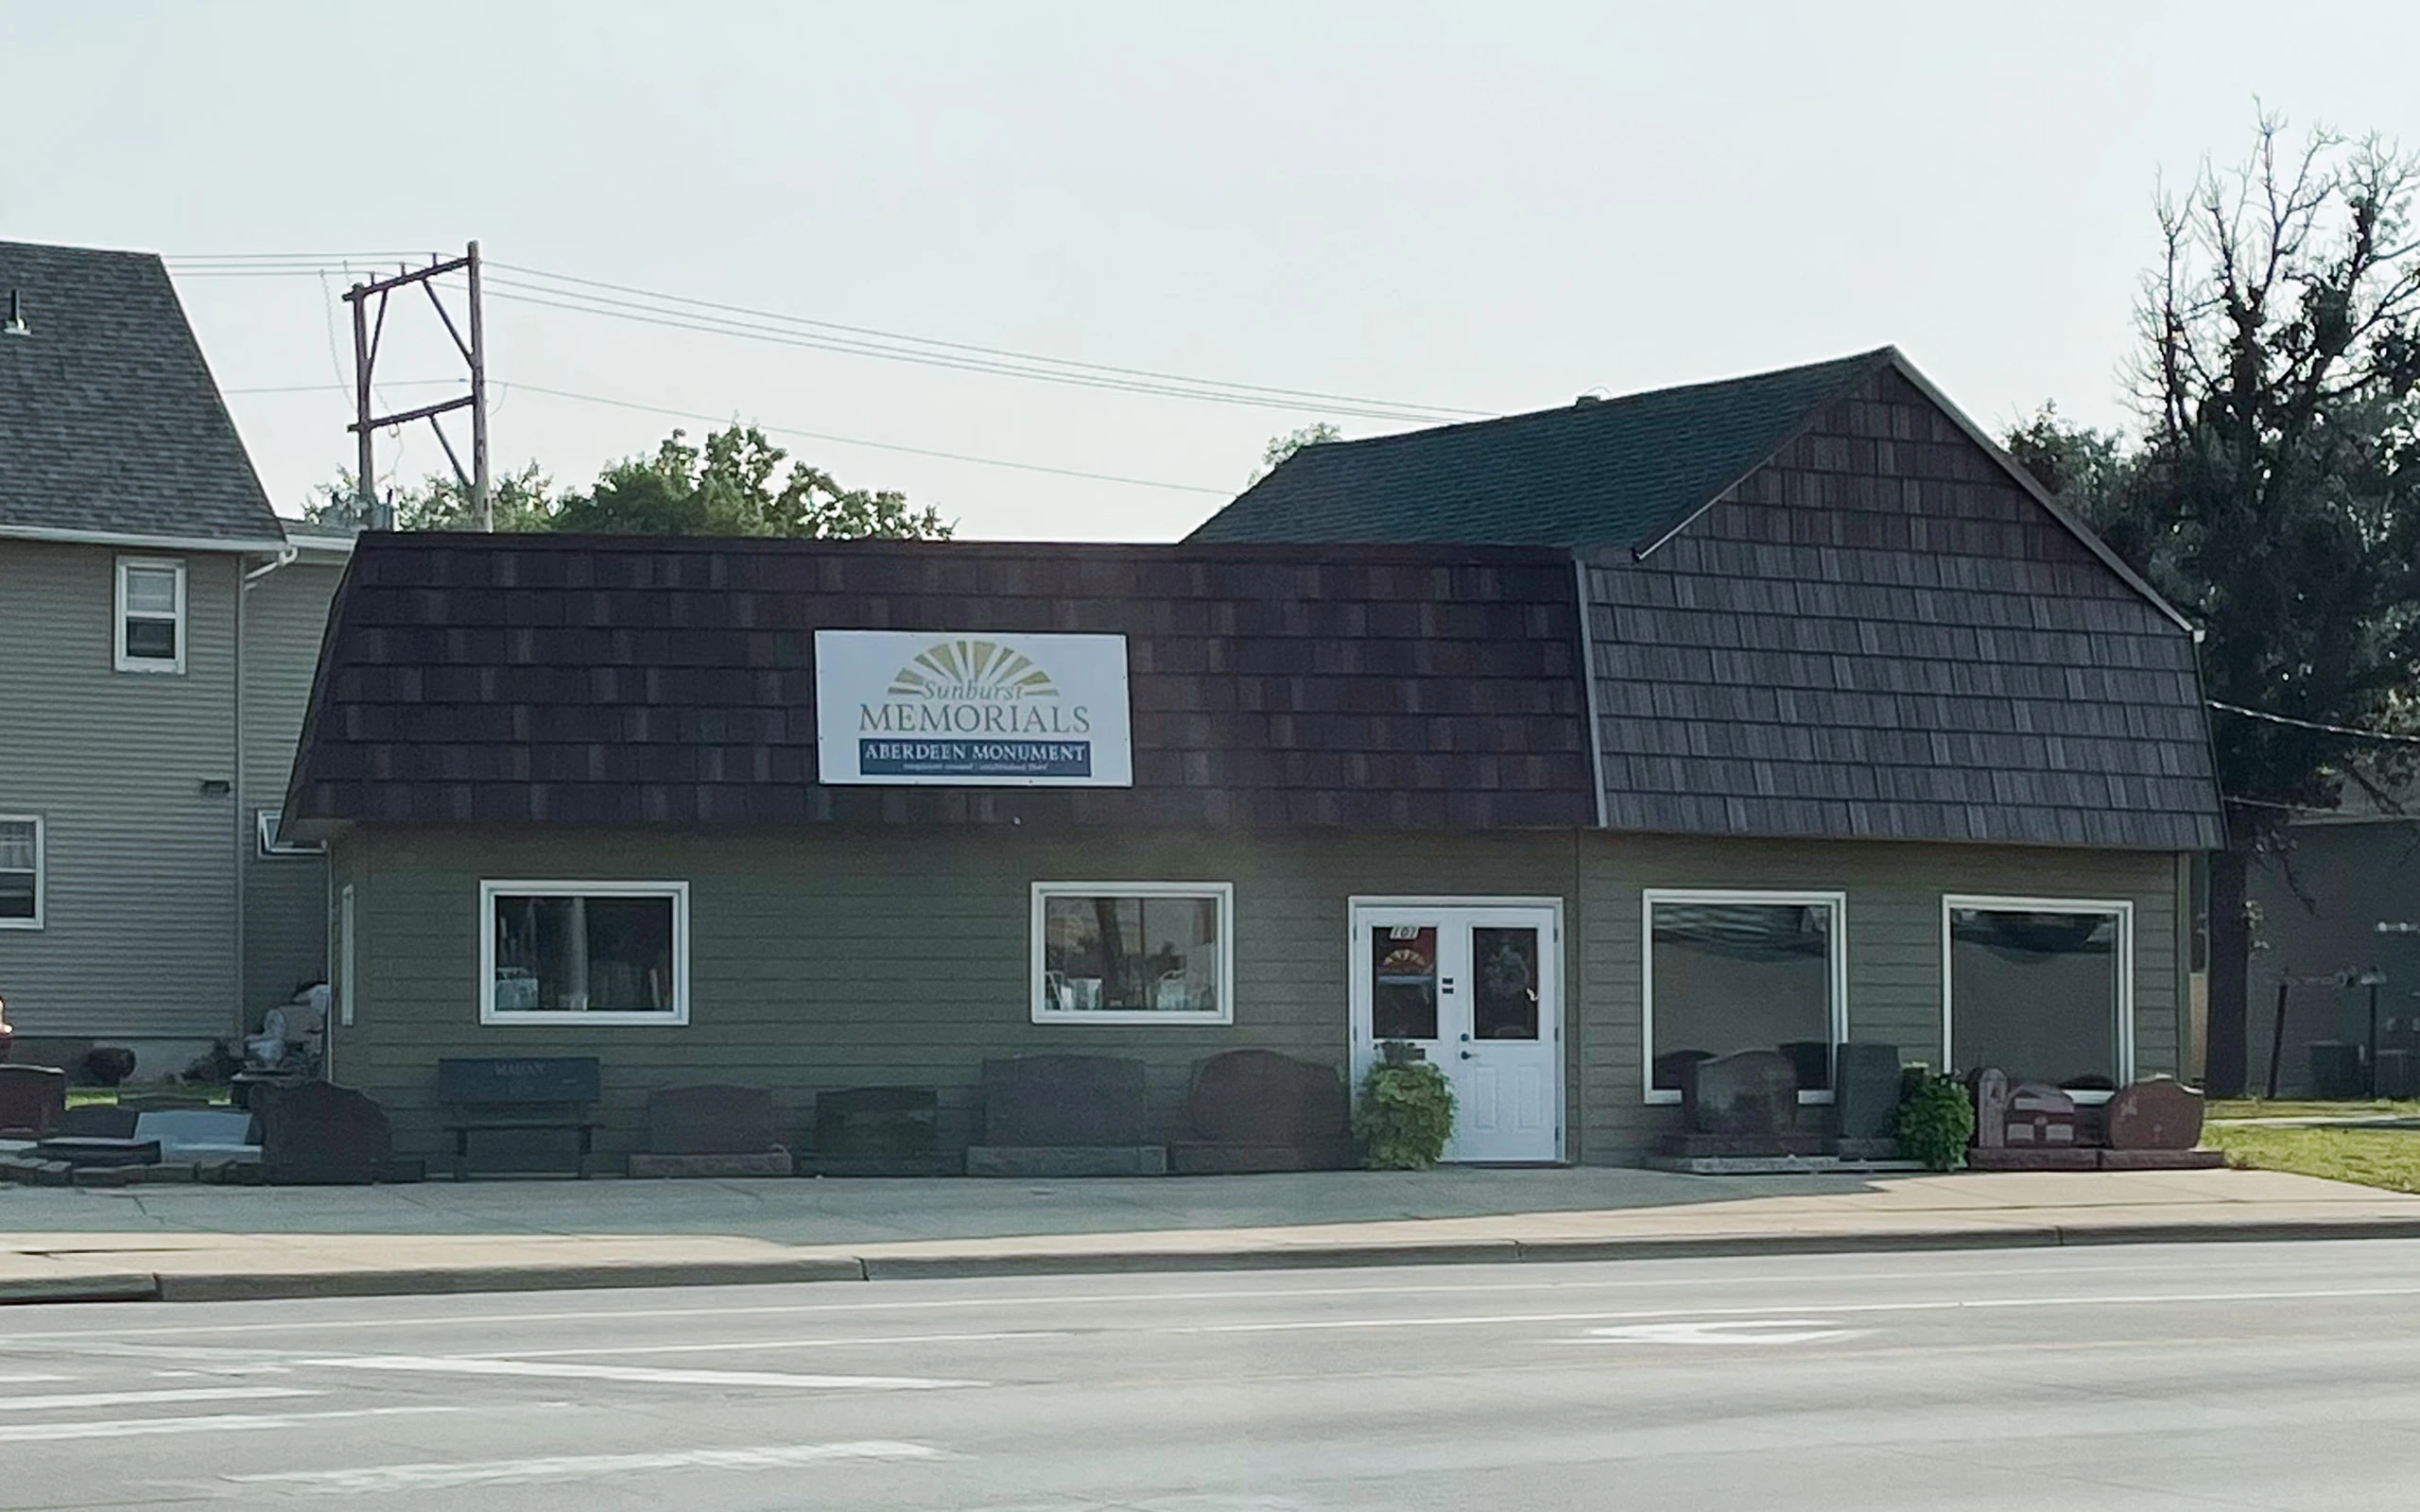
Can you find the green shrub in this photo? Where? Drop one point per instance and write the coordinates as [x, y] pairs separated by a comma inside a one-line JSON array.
[[1405, 1112], [1936, 1119]]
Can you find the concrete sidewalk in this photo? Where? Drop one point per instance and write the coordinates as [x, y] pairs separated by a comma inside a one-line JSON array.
[[184, 1243]]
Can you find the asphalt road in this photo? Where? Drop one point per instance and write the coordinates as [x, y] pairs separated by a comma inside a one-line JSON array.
[[2147, 1377]]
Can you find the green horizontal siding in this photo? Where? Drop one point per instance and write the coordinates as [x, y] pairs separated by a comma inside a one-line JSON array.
[[826, 958]]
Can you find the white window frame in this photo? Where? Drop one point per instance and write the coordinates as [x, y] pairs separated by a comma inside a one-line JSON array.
[[2122, 907], [1836, 901], [1223, 893], [678, 1015], [265, 823], [42, 869], [174, 666]]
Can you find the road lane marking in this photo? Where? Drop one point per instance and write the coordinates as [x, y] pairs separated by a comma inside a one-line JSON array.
[[30, 1378], [1946, 1305], [1737, 1330], [466, 1365], [222, 1423], [1098, 1298], [732, 1346], [136, 1398], [376, 1480]]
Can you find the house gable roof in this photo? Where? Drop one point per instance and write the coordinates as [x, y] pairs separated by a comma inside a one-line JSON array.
[[1632, 470], [110, 426]]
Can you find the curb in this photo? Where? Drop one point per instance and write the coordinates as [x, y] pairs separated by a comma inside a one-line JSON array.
[[234, 1286]]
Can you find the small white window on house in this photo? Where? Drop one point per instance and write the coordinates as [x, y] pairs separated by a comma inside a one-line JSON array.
[[1727, 972], [150, 614], [2040, 988], [20, 876], [265, 821], [1133, 952], [584, 952]]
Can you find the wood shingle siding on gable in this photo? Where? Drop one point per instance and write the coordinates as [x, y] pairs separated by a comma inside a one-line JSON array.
[[1878, 634], [592, 681]]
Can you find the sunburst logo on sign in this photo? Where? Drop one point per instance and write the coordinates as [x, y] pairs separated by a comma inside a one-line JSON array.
[[972, 669], [972, 707]]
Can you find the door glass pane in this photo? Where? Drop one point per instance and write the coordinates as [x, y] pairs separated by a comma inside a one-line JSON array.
[[1730, 976], [1504, 981], [1402, 981], [2034, 995]]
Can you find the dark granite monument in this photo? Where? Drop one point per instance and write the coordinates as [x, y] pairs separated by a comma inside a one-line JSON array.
[[1742, 1106], [1865, 1099], [1253, 1110], [32, 1099], [711, 1131], [315, 1133], [1064, 1115], [879, 1131], [96, 1120], [2159, 1114]]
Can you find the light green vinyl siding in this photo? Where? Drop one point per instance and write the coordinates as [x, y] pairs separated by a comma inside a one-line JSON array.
[[139, 935], [828, 957]]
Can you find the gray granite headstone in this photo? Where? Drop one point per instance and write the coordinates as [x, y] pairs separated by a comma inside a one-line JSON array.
[[1054, 1101], [1251, 1110], [711, 1121], [1867, 1096], [315, 1133], [32, 1099], [1991, 1108], [1754, 1092], [200, 1133]]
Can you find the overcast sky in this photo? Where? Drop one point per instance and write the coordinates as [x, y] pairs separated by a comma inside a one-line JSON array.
[[1483, 207]]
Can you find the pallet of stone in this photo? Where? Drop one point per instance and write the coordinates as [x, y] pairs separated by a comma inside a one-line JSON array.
[[2162, 1159], [1797, 1143], [80, 1150], [2033, 1158]]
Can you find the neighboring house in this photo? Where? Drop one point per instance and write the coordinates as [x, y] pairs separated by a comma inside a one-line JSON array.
[[2320, 895], [158, 625], [1569, 747]]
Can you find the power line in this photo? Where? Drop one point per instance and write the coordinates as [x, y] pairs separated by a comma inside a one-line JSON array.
[[771, 430], [577, 303], [572, 294], [2347, 731], [881, 446], [1001, 352]]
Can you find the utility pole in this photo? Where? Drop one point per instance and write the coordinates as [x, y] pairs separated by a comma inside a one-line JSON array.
[[368, 327]]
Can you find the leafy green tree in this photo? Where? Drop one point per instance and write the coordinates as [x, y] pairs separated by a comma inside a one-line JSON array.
[[733, 484], [2274, 495], [522, 500], [1281, 447]]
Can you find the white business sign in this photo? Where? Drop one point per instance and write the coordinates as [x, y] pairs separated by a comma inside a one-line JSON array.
[[967, 710]]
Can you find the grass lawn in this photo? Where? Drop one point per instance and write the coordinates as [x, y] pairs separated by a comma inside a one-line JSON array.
[[2284, 1107], [79, 1096], [2375, 1158]]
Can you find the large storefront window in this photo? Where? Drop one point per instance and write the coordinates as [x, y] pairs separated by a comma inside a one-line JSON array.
[[1728, 971], [2039, 989], [585, 951], [1132, 953]]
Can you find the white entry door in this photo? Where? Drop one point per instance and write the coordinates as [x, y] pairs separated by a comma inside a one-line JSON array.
[[1478, 987]]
